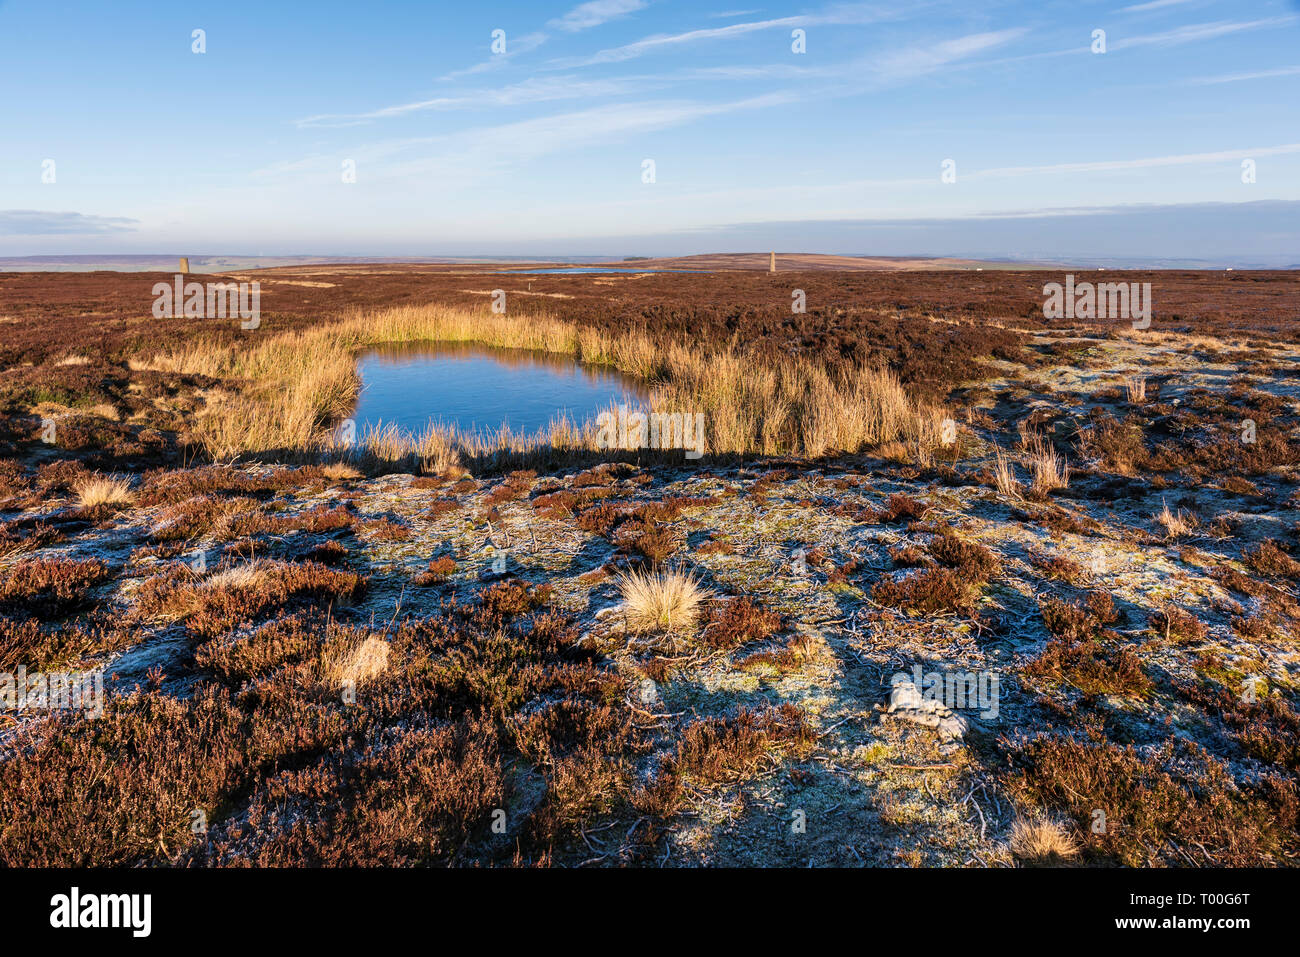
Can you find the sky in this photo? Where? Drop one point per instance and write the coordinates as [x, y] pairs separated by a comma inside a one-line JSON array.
[[652, 127]]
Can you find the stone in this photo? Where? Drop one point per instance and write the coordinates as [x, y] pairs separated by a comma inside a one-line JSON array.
[[907, 703]]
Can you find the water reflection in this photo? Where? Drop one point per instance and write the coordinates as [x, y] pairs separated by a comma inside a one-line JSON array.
[[480, 389]]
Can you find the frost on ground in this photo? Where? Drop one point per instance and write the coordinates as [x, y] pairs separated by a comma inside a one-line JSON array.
[[895, 661]]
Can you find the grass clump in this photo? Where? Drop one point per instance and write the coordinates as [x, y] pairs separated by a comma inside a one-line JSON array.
[[355, 664], [103, 491], [1042, 840], [667, 600], [1177, 524]]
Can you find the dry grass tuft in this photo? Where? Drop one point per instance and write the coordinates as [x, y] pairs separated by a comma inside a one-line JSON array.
[[1046, 465], [1135, 387], [103, 490], [1176, 524], [245, 576], [1042, 841], [340, 472], [668, 600], [1004, 476], [357, 664]]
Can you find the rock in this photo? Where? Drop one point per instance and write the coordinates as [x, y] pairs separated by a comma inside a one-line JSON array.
[[907, 703]]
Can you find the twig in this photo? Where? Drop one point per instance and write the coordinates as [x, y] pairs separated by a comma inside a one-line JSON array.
[[834, 726], [980, 811]]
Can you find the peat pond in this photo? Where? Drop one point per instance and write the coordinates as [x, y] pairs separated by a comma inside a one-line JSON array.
[[480, 389]]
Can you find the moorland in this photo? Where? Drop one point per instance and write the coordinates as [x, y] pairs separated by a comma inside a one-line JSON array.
[[453, 649]]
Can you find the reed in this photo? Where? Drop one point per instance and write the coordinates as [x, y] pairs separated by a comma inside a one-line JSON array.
[[291, 389]]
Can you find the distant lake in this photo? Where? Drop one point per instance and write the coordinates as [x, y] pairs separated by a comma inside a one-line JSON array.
[[480, 389]]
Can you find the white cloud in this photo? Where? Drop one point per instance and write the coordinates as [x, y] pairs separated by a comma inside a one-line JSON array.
[[1200, 31], [660, 41], [468, 154], [473, 151], [38, 222], [912, 62], [533, 90], [1181, 159], [514, 46], [925, 59], [593, 14], [1153, 5], [1188, 34], [843, 15], [833, 193], [1235, 77]]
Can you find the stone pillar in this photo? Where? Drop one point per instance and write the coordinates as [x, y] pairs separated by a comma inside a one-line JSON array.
[[772, 265], [185, 265]]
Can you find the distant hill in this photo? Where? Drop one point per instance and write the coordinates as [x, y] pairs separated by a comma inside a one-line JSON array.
[[704, 262], [786, 262]]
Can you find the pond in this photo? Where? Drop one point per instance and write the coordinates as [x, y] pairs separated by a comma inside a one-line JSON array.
[[480, 389]]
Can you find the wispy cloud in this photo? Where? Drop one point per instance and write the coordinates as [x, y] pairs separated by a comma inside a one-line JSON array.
[[925, 59], [533, 90], [837, 191], [1236, 77], [911, 62], [843, 15], [662, 41], [593, 14], [468, 154], [872, 71], [1154, 5], [36, 222], [1148, 162], [1200, 31], [514, 46], [1169, 38], [471, 152]]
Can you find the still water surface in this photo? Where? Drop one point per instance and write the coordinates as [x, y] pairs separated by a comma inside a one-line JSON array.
[[480, 389]]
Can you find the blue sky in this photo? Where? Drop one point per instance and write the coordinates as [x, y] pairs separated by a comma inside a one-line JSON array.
[[458, 150]]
